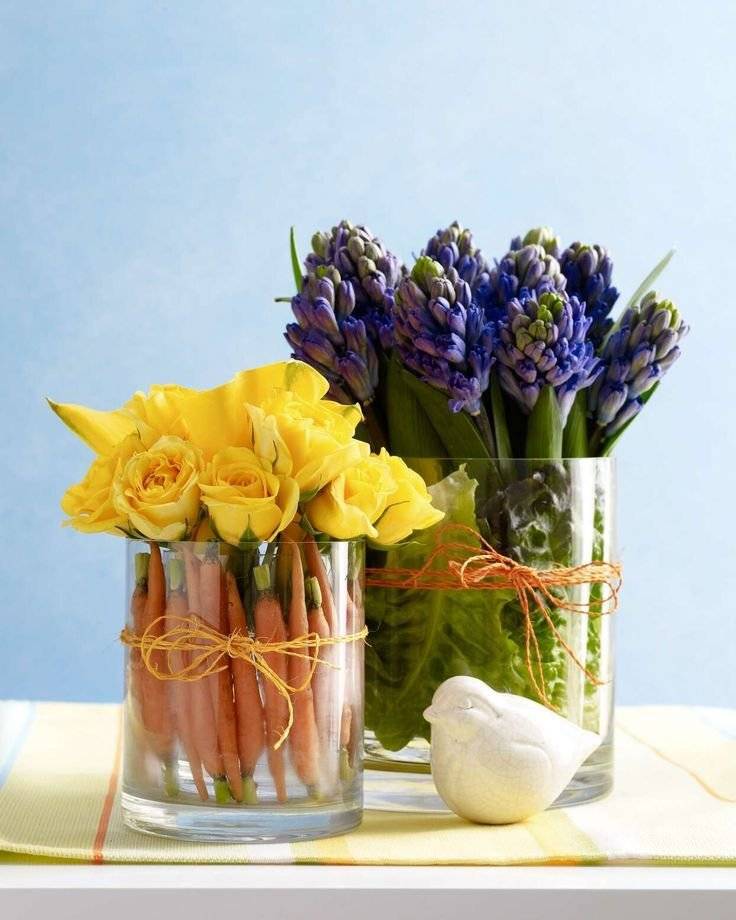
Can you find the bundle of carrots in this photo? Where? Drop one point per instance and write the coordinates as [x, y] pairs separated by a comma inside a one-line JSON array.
[[220, 723]]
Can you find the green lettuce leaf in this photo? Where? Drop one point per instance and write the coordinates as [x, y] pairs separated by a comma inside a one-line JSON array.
[[420, 638]]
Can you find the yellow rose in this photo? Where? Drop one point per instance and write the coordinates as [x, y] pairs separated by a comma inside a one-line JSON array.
[[409, 506], [157, 490], [318, 436], [89, 503], [245, 499], [353, 501]]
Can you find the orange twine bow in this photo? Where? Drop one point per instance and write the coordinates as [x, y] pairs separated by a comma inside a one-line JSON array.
[[489, 570], [209, 650]]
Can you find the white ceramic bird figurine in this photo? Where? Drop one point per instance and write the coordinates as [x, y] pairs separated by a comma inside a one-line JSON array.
[[498, 758]]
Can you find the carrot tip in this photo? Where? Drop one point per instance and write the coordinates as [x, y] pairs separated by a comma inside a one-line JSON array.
[[222, 790]]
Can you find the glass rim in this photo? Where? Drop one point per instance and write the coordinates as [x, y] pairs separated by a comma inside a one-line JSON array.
[[408, 457], [320, 539]]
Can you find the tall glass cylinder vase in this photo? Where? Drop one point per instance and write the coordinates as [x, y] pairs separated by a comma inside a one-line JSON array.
[[542, 514], [243, 711]]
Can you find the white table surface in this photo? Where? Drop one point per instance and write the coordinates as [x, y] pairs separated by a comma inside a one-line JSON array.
[[75, 892]]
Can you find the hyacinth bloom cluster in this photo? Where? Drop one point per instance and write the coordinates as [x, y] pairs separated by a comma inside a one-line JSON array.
[[542, 340], [528, 269], [364, 261], [588, 270], [636, 355], [538, 320], [442, 336], [329, 336], [453, 248]]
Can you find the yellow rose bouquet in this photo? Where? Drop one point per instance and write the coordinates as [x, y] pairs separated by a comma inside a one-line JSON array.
[[246, 509]]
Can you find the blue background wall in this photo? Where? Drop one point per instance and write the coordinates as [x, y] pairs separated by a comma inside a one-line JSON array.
[[152, 157]]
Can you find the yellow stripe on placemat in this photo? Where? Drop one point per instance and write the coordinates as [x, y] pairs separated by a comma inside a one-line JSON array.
[[564, 843], [433, 839]]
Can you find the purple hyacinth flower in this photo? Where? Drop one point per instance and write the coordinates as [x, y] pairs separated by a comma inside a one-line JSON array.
[[442, 336], [636, 355], [453, 248], [529, 268], [588, 270], [332, 338], [356, 256], [541, 341]]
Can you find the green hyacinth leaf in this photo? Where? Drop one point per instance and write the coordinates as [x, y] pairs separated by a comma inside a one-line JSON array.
[[648, 282], [544, 430], [456, 430], [410, 432], [498, 414], [296, 265], [575, 436]]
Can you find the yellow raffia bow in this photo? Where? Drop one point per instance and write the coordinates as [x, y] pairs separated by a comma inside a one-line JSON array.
[[210, 648]]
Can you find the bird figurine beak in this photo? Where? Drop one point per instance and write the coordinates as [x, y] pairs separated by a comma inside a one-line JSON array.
[[432, 714]]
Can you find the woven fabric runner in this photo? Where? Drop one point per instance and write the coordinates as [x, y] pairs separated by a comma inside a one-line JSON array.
[[674, 803]]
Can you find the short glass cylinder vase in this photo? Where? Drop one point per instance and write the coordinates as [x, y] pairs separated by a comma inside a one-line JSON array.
[[547, 515], [243, 717]]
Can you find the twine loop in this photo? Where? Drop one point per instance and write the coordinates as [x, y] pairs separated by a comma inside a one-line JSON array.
[[207, 650], [455, 563]]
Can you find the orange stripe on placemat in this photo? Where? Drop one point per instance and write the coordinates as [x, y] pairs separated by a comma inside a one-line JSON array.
[[112, 788]]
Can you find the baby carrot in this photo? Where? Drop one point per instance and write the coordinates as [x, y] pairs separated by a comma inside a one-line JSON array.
[[137, 621], [156, 701], [204, 729], [177, 609], [355, 666], [270, 628], [212, 597], [317, 570], [303, 738], [322, 687], [191, 566], [248, 706]]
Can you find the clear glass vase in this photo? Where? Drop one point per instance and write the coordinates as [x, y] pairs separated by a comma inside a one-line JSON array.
[[206, 706], [543, 514]]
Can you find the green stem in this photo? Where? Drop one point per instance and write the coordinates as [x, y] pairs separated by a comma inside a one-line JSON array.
[[141, 569], [375, 427], [250, 791], [222, 790], [486, 430], [171, 780]]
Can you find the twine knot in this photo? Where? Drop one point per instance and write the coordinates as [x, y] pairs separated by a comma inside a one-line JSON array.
[[208, 650]]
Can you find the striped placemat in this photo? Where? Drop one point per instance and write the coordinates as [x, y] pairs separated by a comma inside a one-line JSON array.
[[674, 802]]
